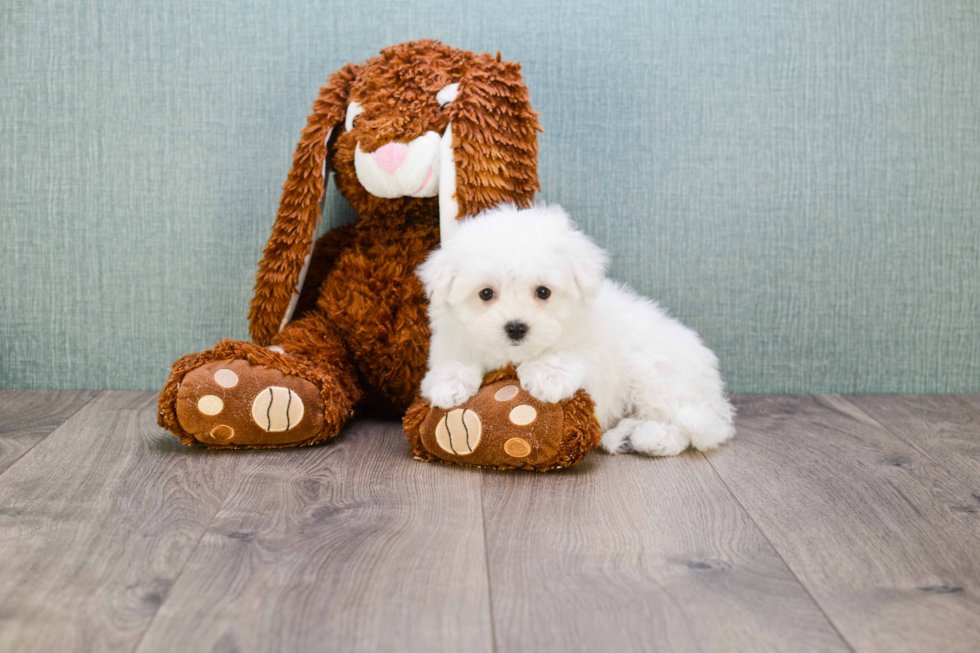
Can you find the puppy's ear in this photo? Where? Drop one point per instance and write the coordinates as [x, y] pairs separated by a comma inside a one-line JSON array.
[[490, 148], [438, 273], [286, 256], [589, 263]]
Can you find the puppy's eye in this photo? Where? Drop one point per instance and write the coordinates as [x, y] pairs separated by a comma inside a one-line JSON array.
[[486, 294], [542, 292], [447, 95]]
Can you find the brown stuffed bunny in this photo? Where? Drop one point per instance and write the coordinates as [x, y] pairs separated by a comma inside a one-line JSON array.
[[417, 137]]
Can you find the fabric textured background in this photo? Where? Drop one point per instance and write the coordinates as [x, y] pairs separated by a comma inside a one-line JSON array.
[[800, 182]]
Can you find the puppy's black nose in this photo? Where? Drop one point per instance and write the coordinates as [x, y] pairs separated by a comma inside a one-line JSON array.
[[515, 330]]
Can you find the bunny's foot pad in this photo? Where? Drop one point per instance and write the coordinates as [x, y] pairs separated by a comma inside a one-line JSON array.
[[504, 427], [239, 395]]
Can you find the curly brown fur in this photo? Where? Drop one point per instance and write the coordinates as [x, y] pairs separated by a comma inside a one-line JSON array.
[[325, 253], [494, 142], [370, 292], [365, 275], [360, 327]]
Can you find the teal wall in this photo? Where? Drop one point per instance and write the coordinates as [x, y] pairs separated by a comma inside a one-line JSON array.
[[798, 181]]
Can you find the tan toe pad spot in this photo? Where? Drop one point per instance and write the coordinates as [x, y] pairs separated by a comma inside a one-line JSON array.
[[222, 433], [523, 415], [517, 447], [226, 378], [506, 393], [277, 409], [210, 405], [459, 432]]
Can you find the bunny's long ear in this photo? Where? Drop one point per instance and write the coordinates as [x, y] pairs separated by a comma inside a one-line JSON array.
[[494, 144], [286, 256]]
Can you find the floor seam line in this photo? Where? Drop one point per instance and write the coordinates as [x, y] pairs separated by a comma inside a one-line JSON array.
[[928, 456], [183, 567], [98, 393], [776, 551], [486, 560]]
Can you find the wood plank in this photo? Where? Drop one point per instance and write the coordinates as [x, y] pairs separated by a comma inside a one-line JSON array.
[[872, 527], [971, 400], [28, 416], [349, 546], [943, 427], [638, 554], [96, 522]]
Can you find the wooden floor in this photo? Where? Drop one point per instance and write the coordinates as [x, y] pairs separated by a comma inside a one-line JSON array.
[[829, 524]]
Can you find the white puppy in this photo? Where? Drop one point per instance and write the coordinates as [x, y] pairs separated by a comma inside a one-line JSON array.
[[525, 287]]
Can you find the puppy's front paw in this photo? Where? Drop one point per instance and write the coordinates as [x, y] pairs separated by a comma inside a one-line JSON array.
[[448, 395], [449, 385], [551, 380]]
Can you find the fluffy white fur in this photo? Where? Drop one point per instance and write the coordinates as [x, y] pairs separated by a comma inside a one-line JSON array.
[[656, 386]]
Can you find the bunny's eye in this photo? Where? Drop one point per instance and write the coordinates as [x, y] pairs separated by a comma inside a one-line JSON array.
[[353, 111], [447, 95]]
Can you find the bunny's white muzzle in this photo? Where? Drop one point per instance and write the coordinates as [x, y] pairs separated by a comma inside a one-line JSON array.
[[401, 169]]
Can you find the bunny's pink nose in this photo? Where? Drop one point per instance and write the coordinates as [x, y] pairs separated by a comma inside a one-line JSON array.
[[391, 156]]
